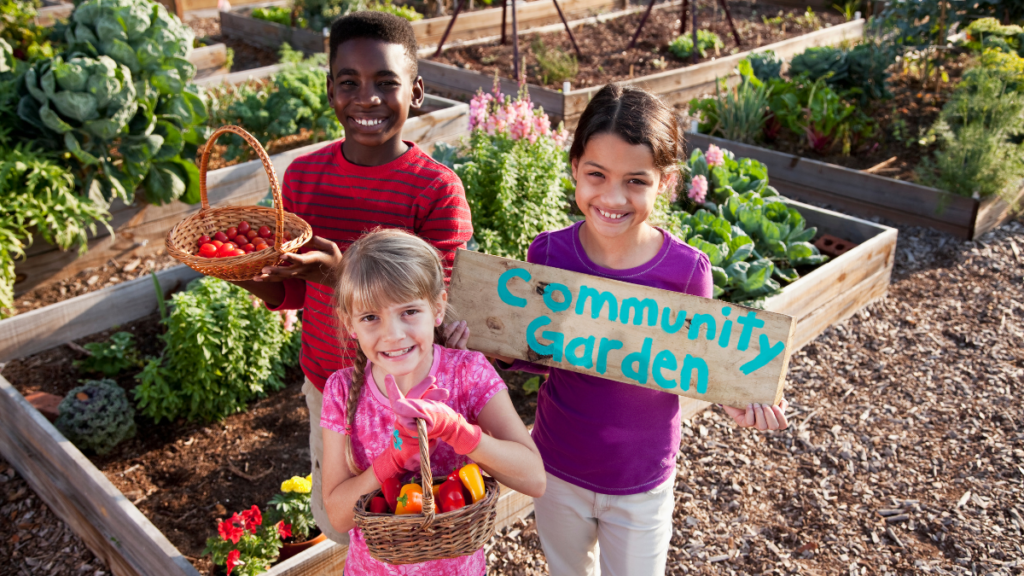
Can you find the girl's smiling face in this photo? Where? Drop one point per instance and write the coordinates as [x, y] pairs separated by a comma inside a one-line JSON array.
[[399, 338], [616, 184]]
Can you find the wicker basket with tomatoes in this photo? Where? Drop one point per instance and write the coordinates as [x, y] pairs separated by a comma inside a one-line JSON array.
[[236, 242], [417, 523]]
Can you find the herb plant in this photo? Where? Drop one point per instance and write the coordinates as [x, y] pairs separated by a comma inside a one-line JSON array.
[[682, 46], [556, 65], [111, 357], [513, 168], [223, 349]]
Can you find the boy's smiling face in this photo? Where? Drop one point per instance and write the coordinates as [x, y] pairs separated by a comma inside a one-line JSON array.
[[371, 91]]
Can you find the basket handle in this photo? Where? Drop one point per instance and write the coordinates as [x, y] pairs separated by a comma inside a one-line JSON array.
[[426, 476], [268, 166]]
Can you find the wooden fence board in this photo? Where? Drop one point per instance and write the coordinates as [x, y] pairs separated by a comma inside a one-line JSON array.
[[81, 495]]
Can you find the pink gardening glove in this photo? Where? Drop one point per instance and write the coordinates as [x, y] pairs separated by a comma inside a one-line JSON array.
[[403, 451], [441, 421]]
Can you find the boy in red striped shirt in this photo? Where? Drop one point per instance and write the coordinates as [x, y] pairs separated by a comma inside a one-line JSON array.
[[370, 178]]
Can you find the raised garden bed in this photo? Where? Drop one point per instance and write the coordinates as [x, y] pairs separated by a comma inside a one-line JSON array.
[[139, 229], [869, 194], [469, 25], [117, 502], [606, 60]]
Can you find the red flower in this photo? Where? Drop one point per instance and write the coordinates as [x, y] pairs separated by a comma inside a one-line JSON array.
[[230, 530], [233, 560], [284, 530], [252, 518]]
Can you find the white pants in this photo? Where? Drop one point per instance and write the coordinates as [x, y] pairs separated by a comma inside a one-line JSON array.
[[315, 401], [630, 534]]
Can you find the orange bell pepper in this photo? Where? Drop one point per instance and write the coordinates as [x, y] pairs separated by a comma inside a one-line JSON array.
[[473, 480], [410, 501]]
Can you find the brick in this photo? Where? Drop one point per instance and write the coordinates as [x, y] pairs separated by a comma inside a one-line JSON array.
[[46, 403]]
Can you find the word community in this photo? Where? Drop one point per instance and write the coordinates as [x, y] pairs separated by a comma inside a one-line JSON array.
[[588, 352]]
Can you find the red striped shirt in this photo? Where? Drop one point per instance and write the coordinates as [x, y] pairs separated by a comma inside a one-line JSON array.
[[342, 201]]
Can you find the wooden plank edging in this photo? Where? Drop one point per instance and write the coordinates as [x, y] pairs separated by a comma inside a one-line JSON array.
[[870, 194]]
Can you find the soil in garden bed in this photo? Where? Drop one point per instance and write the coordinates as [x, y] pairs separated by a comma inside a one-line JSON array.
[[902, 121], [92, 279], [603, 45], [247, 56]]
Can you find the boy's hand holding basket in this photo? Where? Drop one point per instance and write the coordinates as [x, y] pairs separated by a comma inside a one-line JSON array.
[[182, 240]]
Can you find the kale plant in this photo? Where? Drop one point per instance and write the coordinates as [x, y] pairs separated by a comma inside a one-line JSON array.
[[223, 349], [765, 65], [96, 416]]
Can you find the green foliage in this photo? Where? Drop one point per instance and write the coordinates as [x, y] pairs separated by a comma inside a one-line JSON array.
[[531, 386], [817, 62], [988, 32], [868, 76], [96, 416], [278, 14], [765, 65], [8, 63], [292, 508], [112, 357], [848, 9], [682, 46], [979, 132], [407, 12], [38, 196], [246, 544], [120, 102], [27, 41], [556, 65], [222, 350], [740, 112], [819, 115], [293, 100], [730, 177]]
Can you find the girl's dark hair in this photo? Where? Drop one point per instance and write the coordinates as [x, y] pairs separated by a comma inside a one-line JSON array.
[[635, 115]]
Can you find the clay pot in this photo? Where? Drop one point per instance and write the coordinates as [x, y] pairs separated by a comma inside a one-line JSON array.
[[289, 550]]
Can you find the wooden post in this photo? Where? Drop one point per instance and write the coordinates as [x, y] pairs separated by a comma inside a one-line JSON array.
[[569, 30], [448, 29], [504, 13], [515, 45], [732, 25], [643, 20], [693, 53], [684, 17]]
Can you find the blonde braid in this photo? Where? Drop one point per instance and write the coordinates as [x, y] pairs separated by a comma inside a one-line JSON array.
[[355, 389]]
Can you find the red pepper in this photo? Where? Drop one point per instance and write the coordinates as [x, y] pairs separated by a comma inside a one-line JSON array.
[[391, 489], [378, 505], [451, 495]]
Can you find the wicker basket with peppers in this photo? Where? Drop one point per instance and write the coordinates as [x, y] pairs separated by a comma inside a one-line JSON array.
[[453, 518]]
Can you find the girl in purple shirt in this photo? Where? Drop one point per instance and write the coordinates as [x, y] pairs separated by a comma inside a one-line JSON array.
[[610, 448]]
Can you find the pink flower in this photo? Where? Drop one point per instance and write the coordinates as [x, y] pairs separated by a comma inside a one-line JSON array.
[[698, 189], [290, 317], [714, 156], [233, 560]]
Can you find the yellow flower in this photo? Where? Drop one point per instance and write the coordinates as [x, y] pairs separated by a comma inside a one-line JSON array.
[[297, 484]]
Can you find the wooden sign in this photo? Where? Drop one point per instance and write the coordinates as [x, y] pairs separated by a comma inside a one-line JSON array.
[[695, 347]]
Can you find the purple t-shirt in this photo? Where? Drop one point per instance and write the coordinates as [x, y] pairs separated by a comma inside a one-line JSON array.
[[602, 435]]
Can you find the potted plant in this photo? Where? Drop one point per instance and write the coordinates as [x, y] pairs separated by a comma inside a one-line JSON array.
[[291, 506], [245, 542]]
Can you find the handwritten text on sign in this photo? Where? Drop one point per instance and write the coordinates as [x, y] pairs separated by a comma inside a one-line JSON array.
[[686, 345]]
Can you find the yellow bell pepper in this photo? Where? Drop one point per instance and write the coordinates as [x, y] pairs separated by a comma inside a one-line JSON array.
[[410, 500], [473, 480]]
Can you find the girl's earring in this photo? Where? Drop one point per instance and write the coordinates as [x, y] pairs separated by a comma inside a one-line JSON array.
[[438, 320], [352, 335]]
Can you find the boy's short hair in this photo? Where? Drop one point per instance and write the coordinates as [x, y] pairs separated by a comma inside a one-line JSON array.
[[380, 26]]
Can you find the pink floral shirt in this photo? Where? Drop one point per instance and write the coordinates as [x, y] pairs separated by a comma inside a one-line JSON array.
[[471, 383]]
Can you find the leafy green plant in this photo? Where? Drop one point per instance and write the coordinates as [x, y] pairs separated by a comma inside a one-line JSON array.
[[96, 416], [513, 167], [38, 196], [407, 12], [111, 357], [868, 71], [28, 41], [990, 33], [848, 9], [556, 65], [278, 14], [292, 506], [120, 102], [738, 114], [765, 65], [223, 349], [295, 99], [682, 46], [819, 62]]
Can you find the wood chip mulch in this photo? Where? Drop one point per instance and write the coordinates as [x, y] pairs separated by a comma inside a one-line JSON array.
[[905, 453]]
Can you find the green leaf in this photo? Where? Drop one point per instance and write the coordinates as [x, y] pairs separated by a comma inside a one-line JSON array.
[[800, 250], [53, 121], [787, 274], [166, 182], [191, 195], [173, 141], [73, 146]]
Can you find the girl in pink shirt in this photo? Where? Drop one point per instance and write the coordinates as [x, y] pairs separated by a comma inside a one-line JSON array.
[[392, 300]]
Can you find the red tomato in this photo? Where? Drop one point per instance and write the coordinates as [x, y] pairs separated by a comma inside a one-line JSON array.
[[248, 248], [220, 236], [243, 227], [231, 245], [226, 250], [232, 232], [250, 234], [237, 252], [207, 250], [265, 232], [216, 243], [204, 239], [259, 242], [287, 236]]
